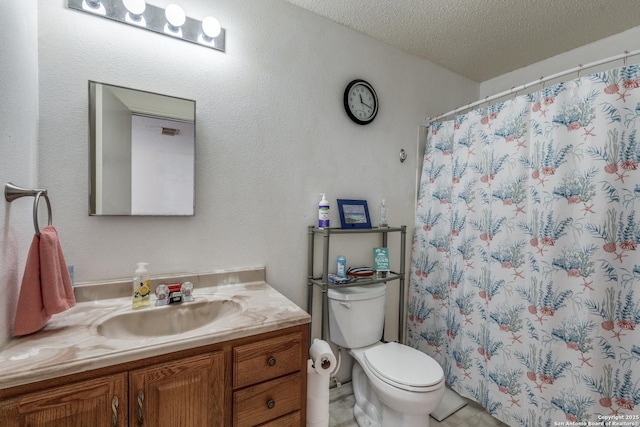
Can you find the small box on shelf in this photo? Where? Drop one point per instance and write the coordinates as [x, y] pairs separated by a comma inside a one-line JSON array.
[[381, 263]]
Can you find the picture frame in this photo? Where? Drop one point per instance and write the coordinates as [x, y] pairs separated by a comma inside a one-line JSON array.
[[354, 214]]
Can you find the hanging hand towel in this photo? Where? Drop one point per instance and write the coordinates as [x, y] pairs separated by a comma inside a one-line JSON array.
[[46, 285], [30, 313], [57, 292]]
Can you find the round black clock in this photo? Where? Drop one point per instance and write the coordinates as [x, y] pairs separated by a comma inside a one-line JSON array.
[[360, 102]]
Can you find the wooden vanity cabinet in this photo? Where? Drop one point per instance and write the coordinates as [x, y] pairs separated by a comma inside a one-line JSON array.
[[259, 380]]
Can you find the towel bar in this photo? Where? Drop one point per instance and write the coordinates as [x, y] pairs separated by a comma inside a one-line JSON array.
[[13, 192]]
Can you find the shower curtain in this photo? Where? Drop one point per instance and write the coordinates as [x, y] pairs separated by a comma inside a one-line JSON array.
[[525, 270]]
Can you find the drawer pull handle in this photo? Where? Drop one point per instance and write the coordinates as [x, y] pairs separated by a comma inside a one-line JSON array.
[[271, 404], [140, 408], [271, 361], [114, 409]]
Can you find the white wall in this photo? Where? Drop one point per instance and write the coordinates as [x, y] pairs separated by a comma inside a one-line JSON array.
[[611, 46], [271, 134], [18, 149]]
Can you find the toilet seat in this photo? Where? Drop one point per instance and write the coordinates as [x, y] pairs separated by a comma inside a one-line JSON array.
[[404, 367]]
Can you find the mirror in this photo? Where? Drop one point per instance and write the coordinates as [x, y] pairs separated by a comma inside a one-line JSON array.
[[141, 152]]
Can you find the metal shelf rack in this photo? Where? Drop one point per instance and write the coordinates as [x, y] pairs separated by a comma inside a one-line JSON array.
[[323, 281]]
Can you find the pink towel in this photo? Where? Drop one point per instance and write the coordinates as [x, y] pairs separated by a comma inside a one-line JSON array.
[[46, 285]]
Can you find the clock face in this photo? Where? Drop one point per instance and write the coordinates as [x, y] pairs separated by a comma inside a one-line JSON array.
[[361, 102]]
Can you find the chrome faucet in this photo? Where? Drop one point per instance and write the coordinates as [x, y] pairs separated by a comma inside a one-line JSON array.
[[174, 294]]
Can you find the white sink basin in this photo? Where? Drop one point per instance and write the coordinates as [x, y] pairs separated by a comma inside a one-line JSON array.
[[167, 320]]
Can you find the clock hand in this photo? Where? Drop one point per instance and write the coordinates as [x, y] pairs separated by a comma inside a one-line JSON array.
[[365, 104]]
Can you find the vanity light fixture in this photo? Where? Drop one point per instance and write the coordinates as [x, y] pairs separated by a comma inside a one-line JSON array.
[[171, 21]]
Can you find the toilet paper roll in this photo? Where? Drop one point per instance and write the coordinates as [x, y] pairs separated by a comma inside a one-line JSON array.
[[317, 384], [323, 358], [317, 411], [317, 397]]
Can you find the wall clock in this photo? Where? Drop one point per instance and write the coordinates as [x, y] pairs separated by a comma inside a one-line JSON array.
[[360, 102]]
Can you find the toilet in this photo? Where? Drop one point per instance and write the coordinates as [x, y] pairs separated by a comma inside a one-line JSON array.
[[394, 385]]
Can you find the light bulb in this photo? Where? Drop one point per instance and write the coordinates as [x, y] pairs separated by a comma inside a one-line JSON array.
[[135, 7], [135, 12], [211, 27], [94, 6], [175, 16]]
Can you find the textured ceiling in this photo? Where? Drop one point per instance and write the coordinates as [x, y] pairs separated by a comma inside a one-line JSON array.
[[482, 39]]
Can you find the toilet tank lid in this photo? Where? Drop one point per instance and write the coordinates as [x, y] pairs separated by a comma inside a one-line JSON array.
[[357, 293], [404, 365]]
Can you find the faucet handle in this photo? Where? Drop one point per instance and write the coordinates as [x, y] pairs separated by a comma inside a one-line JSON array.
[[162, 294], [187, 291]]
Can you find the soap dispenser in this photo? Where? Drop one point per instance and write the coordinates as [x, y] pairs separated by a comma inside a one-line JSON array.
[[323, 212], [141, 286]]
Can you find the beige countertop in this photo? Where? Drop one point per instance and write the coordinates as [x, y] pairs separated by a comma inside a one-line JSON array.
[[70, 342]]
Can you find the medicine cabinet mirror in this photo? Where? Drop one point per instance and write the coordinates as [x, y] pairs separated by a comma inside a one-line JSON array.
[[141, 152]]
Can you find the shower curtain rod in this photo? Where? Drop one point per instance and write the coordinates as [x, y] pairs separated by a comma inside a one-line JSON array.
[[541, 80]]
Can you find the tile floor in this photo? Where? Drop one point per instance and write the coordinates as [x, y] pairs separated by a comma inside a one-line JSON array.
[[341, 412]]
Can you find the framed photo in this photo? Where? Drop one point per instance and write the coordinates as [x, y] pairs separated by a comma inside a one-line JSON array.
[[354, 214]]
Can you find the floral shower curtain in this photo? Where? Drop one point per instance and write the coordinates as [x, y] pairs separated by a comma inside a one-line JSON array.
[[525, 268]]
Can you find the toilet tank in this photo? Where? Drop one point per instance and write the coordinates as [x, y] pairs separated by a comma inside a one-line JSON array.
[[356, 315]]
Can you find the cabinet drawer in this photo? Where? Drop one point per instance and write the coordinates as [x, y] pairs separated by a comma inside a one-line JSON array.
[[266, 359], [267, 401], [289, 420]]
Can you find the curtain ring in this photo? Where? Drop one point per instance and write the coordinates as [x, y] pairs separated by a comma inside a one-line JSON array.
[[36, 202], [626, 53], [579, 70]]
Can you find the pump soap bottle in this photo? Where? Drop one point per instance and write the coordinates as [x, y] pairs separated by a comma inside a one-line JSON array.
[[141, 286], [323, 212]]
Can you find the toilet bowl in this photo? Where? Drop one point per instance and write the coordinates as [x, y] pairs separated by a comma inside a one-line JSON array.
[[407, 384], [394, 385]]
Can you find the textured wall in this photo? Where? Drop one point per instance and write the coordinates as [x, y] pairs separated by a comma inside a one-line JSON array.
[[611, 46], [495, 36], [18, 150], [271, 135]]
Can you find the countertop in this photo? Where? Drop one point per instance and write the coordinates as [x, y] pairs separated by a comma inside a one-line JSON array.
[[70, 342]]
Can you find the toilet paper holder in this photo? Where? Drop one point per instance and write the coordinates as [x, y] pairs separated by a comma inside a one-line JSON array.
[[322, 357], [325, 363]]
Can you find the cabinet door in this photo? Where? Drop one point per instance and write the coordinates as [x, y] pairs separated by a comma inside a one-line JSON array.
[[100, 402], [186, 392]]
